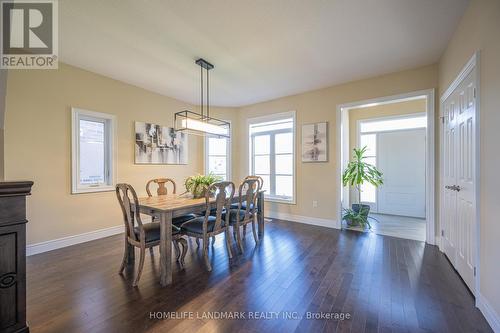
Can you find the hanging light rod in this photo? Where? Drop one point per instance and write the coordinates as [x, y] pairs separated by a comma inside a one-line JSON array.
[[201, 123]]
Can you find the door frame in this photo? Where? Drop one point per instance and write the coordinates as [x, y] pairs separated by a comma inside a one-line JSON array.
[[381, 118], [472, 64], [342, 133]]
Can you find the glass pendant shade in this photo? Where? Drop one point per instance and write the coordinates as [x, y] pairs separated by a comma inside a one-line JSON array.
[[194, 123]]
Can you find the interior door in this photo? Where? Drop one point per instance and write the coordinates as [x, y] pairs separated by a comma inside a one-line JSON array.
[[401, 158], [459, 205]]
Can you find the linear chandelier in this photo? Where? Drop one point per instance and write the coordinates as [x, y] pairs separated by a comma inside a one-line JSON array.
[[201, 123]]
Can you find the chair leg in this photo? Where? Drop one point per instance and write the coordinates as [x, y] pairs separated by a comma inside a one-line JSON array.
[[141, 266], [198, 242], [213, 240], [254, 231], [177, 250], [205, 254], [184, 251], [238, 238], [151, 250], [125, 258], [244, 231], [228, 243]]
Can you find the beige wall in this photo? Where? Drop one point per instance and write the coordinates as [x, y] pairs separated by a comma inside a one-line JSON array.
[[316, 181], [479, 29], [385, 110], [38, 145]]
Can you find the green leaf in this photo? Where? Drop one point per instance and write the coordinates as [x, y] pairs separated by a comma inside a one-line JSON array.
[[359, 172]]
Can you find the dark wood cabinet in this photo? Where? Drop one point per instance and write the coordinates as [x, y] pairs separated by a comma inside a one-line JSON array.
[[13, 256]]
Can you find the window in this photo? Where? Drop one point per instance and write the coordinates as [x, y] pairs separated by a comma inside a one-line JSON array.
[[368, 130], [272, 154], [92, 151], [392, 124], [218, 157]]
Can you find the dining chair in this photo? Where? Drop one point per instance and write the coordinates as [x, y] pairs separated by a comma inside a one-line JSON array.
[[260, 185], [204, 227], [142, 235], [260, 181], [162, 186], [162, 190], [246, 211]]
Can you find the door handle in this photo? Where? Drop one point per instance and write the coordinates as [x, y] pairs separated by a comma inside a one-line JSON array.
[[453, 188]]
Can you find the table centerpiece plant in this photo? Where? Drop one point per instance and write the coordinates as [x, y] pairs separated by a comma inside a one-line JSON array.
[[198, 185]]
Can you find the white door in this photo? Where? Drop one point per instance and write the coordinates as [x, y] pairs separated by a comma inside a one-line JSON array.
[[401, 158], [458, 211]]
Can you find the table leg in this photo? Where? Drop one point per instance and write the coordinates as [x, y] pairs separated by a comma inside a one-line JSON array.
[[165, 248], [260, 215]]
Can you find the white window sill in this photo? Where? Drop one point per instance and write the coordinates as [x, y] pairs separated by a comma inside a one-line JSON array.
[[93, 189], [280, 200]]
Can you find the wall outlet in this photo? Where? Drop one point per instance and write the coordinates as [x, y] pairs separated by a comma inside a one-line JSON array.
[[315, 204]]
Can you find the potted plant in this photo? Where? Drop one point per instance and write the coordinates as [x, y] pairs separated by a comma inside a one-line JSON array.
[[356, 174], [199, 184]]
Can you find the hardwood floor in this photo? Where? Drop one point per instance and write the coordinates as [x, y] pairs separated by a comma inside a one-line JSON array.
[[400, 226], [385, 284], [396, 226]]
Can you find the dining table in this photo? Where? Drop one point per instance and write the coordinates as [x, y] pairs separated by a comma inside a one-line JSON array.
[[166, 207]]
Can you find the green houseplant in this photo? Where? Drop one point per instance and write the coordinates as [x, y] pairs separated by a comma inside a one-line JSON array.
[[199, 184], [356, 174]]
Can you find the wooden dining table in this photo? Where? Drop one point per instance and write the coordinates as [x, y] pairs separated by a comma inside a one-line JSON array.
[[166, 207]]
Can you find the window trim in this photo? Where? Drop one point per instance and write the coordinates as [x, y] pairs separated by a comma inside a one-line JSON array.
[[110, 132], [228, 152], [267, 118]]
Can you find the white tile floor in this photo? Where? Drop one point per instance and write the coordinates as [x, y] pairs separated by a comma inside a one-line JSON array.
[[398, 226]]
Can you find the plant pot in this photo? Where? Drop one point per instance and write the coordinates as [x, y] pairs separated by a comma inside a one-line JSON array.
[[199, 194], [365, 209], [352, 223]]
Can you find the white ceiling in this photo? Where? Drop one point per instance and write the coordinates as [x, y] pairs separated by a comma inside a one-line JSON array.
[[261, 49]]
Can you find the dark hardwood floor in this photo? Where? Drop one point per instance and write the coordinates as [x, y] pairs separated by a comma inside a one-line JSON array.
[[384, 284]]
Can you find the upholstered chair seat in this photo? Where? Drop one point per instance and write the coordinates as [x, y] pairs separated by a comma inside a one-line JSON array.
[[178, 221], [243, 205], [233, 215], [152, 231], [196, 225]]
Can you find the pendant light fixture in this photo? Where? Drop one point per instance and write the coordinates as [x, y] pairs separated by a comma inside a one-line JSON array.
[[201, 123]]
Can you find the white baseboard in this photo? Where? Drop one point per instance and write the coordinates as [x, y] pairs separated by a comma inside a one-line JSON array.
[[437, 240], [303, 219], [489, 313], [54, 244]]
